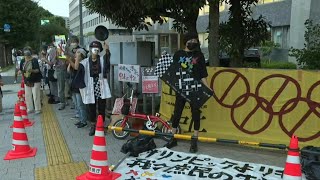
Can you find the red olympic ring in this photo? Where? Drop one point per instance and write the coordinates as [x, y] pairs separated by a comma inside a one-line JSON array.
[[313, 105], [309, 96], [238, 76], [274, 98], [258, 99]]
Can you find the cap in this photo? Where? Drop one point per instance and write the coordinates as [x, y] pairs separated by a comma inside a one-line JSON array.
[[188, 36], [96, 44]]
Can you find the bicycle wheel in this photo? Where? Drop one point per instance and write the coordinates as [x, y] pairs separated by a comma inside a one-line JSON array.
[[120, 134], [164, 129]]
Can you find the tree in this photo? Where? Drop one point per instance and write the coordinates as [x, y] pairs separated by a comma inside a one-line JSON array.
[[241, 31], [132, 14], [267, 47], [213, 38], [24, 18], [309, 56], [21, 16]]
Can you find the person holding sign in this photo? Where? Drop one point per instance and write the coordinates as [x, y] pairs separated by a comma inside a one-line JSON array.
[[192, 61], [95, 77]]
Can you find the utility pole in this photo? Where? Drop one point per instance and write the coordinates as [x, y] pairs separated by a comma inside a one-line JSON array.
[[81, 23]]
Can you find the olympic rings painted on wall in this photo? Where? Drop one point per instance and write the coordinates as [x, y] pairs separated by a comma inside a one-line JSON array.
[[267, 105], [237, 77]]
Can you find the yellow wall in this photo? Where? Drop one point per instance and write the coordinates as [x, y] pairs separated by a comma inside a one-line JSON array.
[[258, 105]]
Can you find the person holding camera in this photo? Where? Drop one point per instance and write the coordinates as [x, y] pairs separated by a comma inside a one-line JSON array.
[[30, 69]]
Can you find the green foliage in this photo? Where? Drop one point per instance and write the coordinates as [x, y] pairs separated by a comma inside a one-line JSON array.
[[132, 14], [24, 17], [278, 65], [241, 31], [309, 56], [267, 47]]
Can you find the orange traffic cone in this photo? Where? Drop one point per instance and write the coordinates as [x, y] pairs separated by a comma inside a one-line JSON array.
[[24, 114], [99, 169], [20, 144], [292, 170]]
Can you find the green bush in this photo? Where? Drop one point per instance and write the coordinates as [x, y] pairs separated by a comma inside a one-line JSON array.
[[278, 65]]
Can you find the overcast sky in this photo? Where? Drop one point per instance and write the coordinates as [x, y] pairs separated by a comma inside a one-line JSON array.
[[56, 7]]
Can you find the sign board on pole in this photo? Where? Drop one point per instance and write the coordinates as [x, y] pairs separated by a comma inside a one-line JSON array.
[[44, 22], [60, 42], [129, 73], [6, 27], [150, 84]]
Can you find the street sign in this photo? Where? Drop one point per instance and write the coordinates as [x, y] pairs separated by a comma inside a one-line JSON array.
[[44, 22], [6, 27]]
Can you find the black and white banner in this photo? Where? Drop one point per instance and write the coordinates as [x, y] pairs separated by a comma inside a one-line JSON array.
[[166, 164]]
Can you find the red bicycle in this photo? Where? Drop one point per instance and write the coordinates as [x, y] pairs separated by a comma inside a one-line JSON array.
[[152, 123]]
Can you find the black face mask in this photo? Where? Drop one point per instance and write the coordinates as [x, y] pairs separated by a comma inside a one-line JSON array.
[[192, 46]]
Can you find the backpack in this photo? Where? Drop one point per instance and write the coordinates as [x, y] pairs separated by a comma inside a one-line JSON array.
[[137, 145], [310, 162]]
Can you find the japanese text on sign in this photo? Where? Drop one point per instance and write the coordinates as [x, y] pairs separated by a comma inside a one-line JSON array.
[[129, 73]]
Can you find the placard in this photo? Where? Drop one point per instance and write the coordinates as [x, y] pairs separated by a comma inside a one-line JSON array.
[[150, 83], [129, 73]]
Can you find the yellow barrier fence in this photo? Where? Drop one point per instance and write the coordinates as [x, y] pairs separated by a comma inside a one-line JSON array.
[[256, 105]]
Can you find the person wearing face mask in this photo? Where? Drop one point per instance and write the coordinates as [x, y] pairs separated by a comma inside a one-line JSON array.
[[30, 69], [197, 67], [97, 88], [76, 69]]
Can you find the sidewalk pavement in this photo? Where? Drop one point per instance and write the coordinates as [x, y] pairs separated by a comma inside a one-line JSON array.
[[79, 143]]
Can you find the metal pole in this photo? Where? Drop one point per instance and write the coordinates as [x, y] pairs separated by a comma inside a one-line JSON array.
[[153, 103], [145, 103], [201, 139], [81, 23]]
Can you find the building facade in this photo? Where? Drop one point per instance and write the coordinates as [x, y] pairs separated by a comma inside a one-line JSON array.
[[287, 18], [91, 21]]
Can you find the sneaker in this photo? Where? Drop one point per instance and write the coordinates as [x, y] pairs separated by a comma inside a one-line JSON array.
[[172, 143], [75, 117], [62, 107], [15, 81], [194, 145], [38, 112], [78, 123], [92, 130], [81, 125]]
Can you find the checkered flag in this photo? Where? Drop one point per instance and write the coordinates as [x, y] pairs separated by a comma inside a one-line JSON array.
[[163, 65]]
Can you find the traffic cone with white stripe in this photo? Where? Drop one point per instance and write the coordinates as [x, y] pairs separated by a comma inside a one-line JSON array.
[[292, 170], [20, 144], [22, 91], [99, 169], [24, 115]]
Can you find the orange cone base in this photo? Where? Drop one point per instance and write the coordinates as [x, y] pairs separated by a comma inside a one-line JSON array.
[[13, 155], [28, 123], [89, 176]]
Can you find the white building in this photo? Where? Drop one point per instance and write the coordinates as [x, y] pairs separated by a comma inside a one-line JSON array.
[[91, 21]]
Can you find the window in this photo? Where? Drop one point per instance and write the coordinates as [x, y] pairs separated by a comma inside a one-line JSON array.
[[164, 40], [268, 1]]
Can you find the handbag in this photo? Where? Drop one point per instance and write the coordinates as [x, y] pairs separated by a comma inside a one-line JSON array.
[[78, 80], [51, 73]]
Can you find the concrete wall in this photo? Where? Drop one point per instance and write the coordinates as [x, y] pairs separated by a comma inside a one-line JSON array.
[[315, 11], [300, 12]]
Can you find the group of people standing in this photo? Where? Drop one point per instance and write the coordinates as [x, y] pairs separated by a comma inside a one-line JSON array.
[[88, 73], [78, 74]]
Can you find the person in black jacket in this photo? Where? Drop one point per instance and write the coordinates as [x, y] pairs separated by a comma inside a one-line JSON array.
[[190, 58], [31, 74]]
